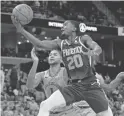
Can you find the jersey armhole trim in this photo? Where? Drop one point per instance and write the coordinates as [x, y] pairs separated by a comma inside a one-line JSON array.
[[82, 43], [90, 59], [62, 44], [45, 74]]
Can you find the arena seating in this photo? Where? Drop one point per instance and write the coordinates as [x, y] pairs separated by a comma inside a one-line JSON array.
[[62, 11]]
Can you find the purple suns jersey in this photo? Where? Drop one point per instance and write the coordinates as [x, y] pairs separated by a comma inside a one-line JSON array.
[[77, 63]]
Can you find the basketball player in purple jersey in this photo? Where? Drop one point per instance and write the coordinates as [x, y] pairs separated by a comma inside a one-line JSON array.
[[76, 53], [59, 78]]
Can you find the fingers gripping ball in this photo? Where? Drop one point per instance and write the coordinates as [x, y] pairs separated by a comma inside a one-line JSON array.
[[23, 13]]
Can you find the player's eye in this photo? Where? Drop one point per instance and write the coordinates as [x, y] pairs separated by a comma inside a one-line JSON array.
[[55, 54], [50, 55]]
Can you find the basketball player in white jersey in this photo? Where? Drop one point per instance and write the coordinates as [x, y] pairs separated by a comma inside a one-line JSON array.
[[52, 78]]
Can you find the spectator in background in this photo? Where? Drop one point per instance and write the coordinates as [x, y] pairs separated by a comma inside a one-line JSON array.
[[22, 82], [10, 91], [81, 17], [14, 76], [40, 96]]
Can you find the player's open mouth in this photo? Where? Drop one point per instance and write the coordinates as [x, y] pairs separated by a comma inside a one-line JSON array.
[[52, 59], [63, 31]]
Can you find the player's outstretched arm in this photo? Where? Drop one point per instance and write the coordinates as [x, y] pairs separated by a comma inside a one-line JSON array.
[[95, 49], [46, 44], [116, 82], [31, 75]]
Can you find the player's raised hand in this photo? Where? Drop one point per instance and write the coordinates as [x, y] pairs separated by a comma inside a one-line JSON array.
[[16, 23], [33, 55]]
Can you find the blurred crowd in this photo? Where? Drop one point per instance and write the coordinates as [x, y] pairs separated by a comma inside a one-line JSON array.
[[116, 97], [62, 10], [17, 100], [11, 52], [117, 8]]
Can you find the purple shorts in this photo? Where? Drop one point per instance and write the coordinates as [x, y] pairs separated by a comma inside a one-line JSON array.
[[92, 93]]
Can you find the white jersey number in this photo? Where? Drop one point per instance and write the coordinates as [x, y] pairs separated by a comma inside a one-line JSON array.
[[74, 61]]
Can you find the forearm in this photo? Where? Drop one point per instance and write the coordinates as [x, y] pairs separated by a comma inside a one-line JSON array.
[[35, 41], [110, 87], [106, 87], [115, 83], [97, 50], [31, 75], [45, 44]]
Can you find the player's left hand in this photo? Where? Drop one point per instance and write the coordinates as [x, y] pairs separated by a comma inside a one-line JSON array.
[[16, 23], [120, 76], [33, 55]]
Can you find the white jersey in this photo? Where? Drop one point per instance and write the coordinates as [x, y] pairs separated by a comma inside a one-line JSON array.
[[51, 84]]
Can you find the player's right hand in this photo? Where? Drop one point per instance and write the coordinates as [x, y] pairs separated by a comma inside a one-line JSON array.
[[16, 23], [33, 55]]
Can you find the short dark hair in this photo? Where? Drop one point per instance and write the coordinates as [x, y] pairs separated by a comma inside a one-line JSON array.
[[76, 24], [59, 50]]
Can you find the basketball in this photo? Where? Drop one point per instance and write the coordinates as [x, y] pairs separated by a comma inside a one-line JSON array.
[[23, 13]]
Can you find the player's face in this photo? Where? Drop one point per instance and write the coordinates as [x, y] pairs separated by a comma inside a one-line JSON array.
[[67, 28], [54, 57]]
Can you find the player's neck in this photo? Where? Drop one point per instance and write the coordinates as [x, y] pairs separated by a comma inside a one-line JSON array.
[[54, 69], [71, 38]]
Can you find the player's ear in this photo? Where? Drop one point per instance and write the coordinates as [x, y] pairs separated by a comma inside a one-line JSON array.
[[75, 29]]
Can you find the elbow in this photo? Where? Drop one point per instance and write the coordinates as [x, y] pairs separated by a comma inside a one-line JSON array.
[[98, 50], [30, 84], [27, 84]]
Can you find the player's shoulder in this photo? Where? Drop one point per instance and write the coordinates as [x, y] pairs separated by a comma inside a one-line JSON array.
[[85, 37], [63, 69], [40, 74]]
